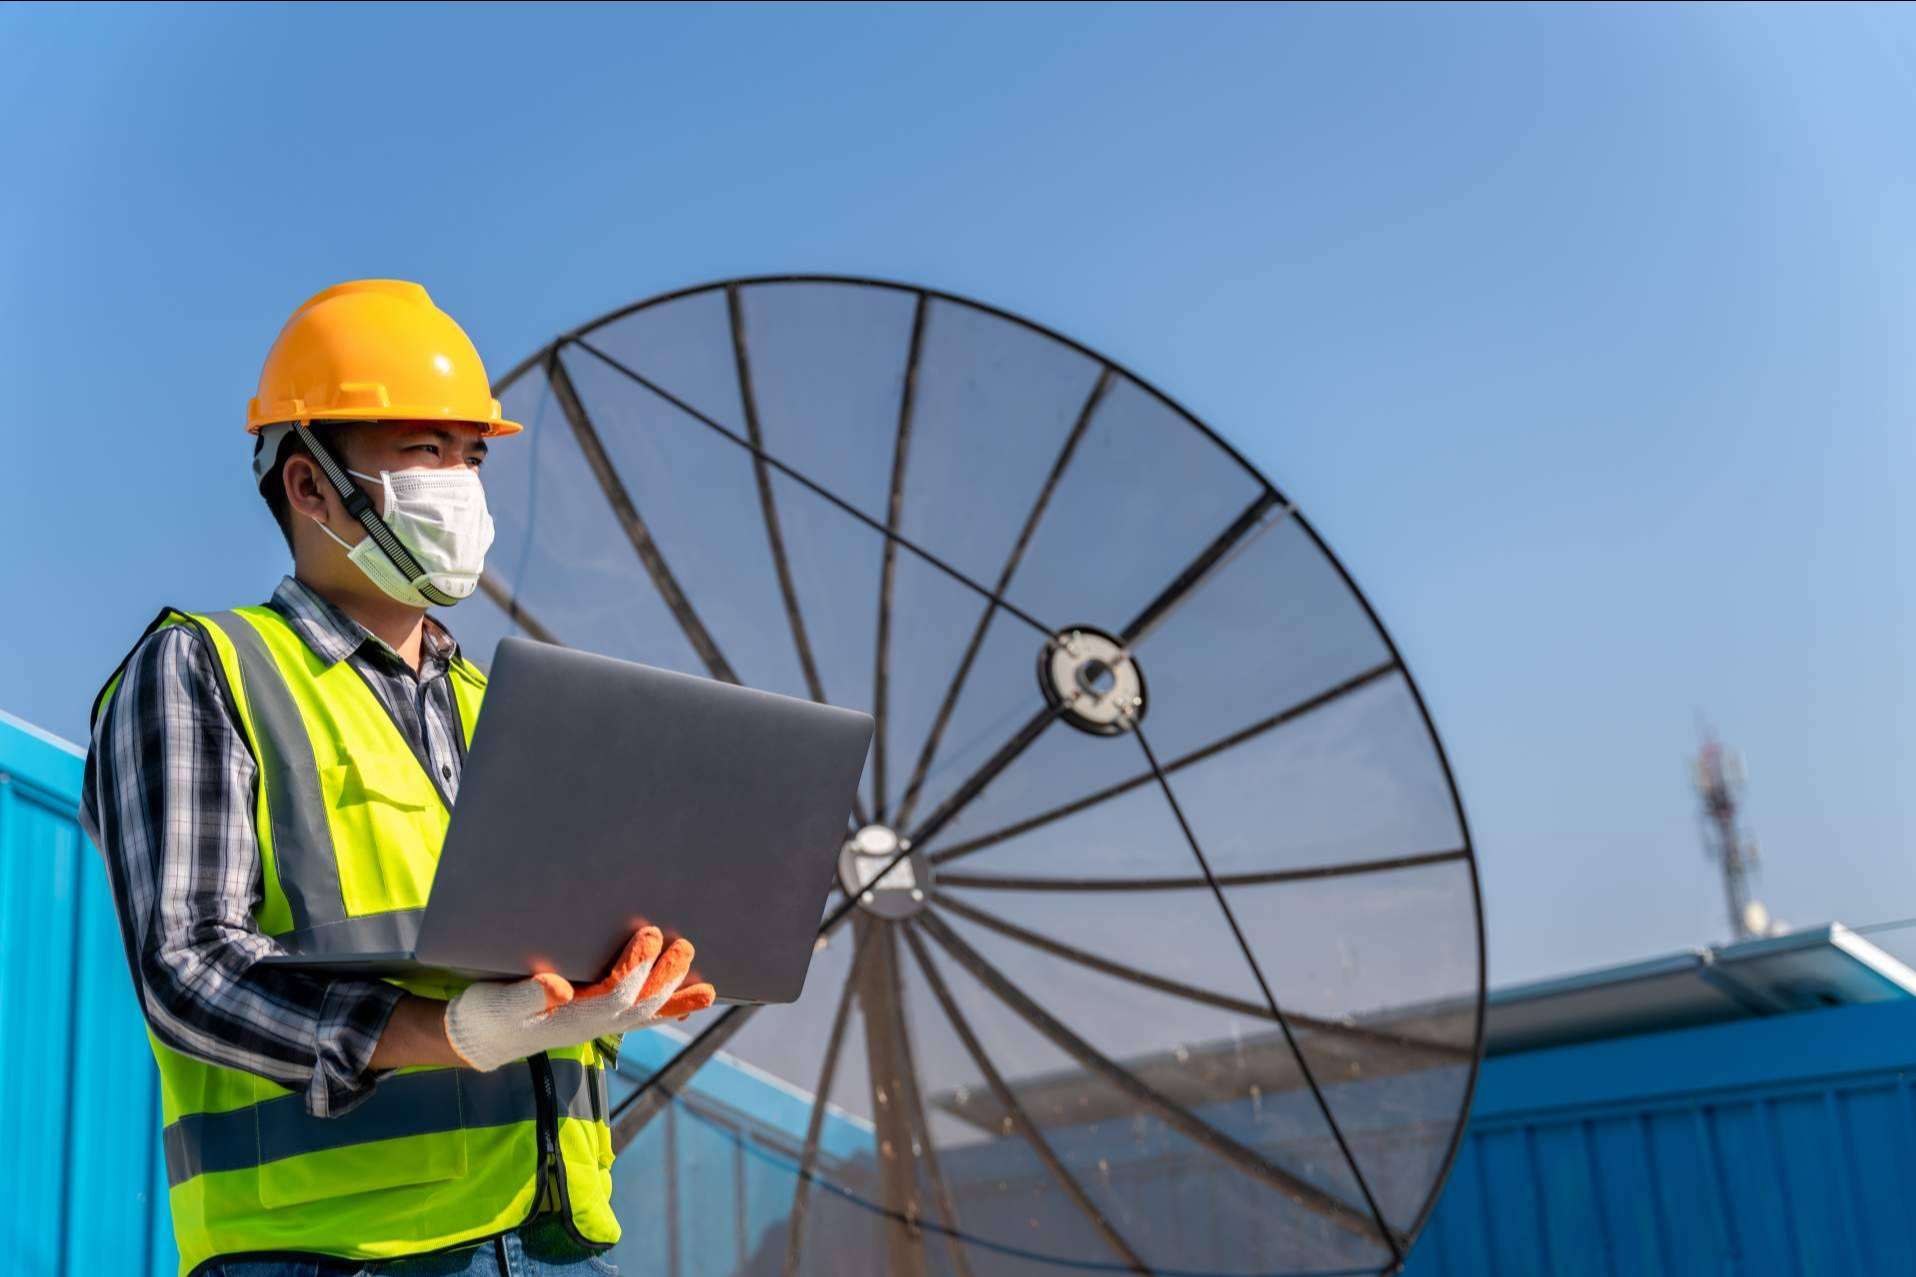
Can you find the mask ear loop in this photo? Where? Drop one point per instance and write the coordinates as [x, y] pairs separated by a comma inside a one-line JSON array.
[[360, 507]]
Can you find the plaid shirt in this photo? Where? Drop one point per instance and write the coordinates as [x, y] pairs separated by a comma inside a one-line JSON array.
[[168, 796]]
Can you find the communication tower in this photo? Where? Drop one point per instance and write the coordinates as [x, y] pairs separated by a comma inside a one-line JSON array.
[[1719, 780]]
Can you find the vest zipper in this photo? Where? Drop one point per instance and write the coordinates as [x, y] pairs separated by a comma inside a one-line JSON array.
[[547, 1103], [552, 1165]]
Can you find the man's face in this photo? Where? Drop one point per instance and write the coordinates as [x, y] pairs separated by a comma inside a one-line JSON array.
[[368, 448]]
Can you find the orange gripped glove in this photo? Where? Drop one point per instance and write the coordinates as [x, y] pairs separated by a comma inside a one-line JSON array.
[[493, 1023]]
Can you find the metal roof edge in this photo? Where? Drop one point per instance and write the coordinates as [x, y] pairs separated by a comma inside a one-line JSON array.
[[1599, 977], [46, 764], [42, 734], [1756, 978], [1866, 952]]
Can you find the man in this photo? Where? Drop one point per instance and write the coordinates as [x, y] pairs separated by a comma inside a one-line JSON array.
[[270, 770]]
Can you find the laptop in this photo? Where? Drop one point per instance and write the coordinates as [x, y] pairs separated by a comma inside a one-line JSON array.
[[600, 795]]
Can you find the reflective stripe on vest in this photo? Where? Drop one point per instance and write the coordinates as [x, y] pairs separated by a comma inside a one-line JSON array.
[[302, 839], [350, 821], [406, 1104]]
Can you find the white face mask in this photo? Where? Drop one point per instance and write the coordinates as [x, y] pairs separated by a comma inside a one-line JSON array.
[[440, 516]]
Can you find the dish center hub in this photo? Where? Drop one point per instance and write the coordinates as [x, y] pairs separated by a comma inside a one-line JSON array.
[[1094, 683], [897, 892]]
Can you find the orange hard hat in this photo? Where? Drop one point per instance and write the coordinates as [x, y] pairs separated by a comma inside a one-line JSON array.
[[374, 350]]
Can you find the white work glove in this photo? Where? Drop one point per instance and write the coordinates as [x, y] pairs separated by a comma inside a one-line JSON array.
[[493, 1023]]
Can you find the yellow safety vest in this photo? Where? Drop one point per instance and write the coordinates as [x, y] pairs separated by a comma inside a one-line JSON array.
[[350, 825]]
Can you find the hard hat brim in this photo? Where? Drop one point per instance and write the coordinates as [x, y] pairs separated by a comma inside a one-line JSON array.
[[498, 429]]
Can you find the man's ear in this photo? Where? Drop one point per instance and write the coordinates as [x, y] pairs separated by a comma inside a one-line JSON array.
[[307, 491]]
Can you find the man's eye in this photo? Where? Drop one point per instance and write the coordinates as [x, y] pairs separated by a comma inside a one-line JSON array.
[[433, 448]]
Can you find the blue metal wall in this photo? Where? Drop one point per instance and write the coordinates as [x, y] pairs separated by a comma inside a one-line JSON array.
[[79, 1129], [1777, 1146]]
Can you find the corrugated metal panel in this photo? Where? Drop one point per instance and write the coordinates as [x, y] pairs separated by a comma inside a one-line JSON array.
[[79, 1151], [1777, 1146]]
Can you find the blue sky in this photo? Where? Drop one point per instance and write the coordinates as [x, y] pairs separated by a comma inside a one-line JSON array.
[[1584, 335]]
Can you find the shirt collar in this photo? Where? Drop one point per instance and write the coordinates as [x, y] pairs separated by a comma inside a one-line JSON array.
[[334, 636]]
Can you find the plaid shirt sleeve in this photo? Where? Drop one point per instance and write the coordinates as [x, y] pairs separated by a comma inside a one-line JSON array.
[[168, 798]]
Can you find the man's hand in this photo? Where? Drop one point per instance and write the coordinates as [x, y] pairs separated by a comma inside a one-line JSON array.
[[490, 1024]]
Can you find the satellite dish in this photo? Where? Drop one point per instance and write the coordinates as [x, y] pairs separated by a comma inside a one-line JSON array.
[[1156, 942]]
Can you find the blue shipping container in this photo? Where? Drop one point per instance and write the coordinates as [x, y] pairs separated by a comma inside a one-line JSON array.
[[1781, 1145], [80, 1151]]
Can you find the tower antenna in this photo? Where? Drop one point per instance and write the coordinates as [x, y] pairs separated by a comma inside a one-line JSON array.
[[1718, 777]]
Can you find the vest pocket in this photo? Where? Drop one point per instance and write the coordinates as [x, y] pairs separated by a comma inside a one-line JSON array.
[[387, 825], [395, 780], [409, 1131], [363, 1168]]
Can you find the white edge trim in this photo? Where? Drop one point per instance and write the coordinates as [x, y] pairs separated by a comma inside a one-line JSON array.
[[42, 734]]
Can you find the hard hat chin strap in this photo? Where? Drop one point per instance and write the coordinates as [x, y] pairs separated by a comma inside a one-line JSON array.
[[360, 507]]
